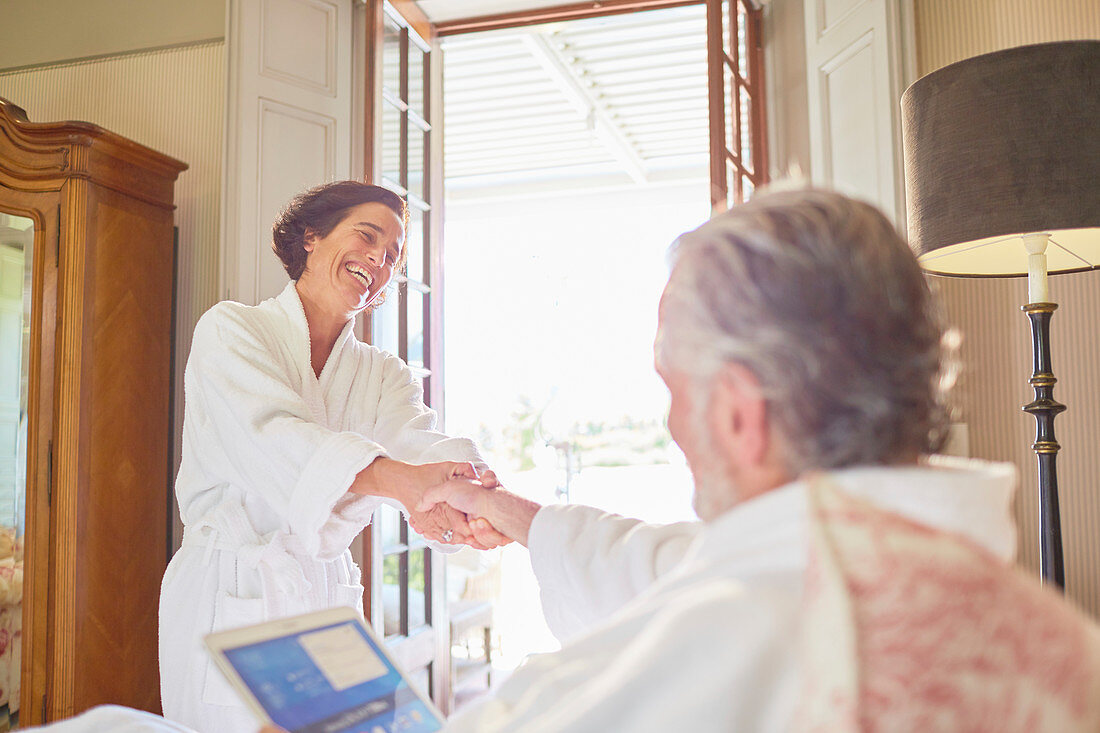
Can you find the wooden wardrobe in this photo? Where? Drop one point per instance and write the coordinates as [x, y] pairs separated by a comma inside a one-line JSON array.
[[99, 410]]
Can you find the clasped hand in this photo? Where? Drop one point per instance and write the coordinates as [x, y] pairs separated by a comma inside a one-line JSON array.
[[440, 522], [466, 529]]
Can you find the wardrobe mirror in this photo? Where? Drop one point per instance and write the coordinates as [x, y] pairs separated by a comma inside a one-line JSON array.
[[16, 243]]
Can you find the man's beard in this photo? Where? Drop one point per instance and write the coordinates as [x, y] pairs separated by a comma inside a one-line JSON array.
[[713, 494]]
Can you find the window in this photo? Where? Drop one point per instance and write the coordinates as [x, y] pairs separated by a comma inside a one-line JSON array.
[[738, 150]]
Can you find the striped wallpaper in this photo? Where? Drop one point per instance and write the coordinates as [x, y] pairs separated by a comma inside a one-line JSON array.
[[996, 347], [171, 100], [951, 30]]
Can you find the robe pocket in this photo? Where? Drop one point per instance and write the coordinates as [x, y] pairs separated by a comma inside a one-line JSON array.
[[348, 595], [230, 612]]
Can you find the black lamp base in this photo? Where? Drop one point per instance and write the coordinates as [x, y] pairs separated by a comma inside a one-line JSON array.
[[1046, 447]]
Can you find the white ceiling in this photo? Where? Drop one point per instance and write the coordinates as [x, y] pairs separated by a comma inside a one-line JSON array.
[[620, 98], [441, 10]]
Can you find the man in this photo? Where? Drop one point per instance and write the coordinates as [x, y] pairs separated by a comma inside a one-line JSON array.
[[805, 361], [803, 353]]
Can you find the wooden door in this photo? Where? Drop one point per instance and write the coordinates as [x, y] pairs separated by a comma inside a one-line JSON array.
[[404, 592]]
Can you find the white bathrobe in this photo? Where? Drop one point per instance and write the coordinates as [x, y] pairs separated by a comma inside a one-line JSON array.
[[692, 627], [269, 451]]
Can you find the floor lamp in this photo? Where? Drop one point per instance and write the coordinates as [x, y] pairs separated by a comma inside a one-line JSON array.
[[1002, 179]]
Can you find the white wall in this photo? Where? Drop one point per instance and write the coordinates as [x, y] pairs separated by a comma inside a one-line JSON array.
[[36, 32]]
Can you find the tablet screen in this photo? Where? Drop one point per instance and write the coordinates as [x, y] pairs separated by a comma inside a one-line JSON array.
[[330, 679]]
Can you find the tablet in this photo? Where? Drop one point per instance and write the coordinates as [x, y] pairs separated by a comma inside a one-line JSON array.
[[322, 672]]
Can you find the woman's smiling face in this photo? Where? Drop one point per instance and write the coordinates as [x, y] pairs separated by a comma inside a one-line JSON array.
[[347, 268]]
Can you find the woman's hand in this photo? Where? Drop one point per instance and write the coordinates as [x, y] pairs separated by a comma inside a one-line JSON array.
[[408, 483]]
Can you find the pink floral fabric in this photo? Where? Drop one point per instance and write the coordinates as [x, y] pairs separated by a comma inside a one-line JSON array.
[[11, 617], [909, 628]]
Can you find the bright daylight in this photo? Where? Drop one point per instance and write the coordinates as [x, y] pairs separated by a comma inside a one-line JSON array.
[[575, 154]]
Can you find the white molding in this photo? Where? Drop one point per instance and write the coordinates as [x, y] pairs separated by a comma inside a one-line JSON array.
[[327, 87], [874, 25], [254, 92]]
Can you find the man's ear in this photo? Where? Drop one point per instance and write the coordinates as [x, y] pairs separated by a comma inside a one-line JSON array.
[[309, 240], [739, 415]]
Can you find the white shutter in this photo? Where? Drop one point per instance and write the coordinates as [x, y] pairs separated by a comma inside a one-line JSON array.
[[289, 125]]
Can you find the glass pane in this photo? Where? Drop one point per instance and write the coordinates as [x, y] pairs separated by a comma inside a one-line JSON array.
[[391, 143], [729, 93], [391, 593], [16, 247], [388, 522], [415, 313], [384, 321], [417, 63], [747, 187], [417, 146], [415, 237], [746, 128], [726, 32], [391, 56], [742, 41], [732, 177], [418, 596]]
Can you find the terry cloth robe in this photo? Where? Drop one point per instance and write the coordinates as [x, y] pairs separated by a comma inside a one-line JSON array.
[[695, 627], [269, 451], [115, 719]]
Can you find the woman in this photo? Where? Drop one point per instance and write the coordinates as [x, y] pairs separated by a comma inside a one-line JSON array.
[[294, 433]]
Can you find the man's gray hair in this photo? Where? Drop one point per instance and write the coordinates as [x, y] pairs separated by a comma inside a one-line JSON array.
[[821, 299]]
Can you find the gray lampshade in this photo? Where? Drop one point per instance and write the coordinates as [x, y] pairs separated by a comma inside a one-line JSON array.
[[1004, 144]]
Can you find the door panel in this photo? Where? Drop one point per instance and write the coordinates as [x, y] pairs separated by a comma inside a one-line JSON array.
[[855, 78], [289, 108]]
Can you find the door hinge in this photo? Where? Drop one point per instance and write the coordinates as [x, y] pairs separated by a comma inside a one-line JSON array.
[[49, 474]]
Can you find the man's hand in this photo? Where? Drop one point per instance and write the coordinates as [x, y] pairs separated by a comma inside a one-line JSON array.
[[497, 511], [441, 523]]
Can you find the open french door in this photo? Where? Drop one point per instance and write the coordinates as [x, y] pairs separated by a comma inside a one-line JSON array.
[[403, 146], [405, 597], [735, 77]]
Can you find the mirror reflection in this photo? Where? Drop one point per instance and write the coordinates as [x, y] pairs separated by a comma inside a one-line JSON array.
[[16, 242]]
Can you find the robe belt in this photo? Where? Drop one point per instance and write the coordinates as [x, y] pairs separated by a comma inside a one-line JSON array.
[[274, 555]]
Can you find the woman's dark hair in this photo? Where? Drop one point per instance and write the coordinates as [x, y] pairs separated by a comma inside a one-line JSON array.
[[318, 210]]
